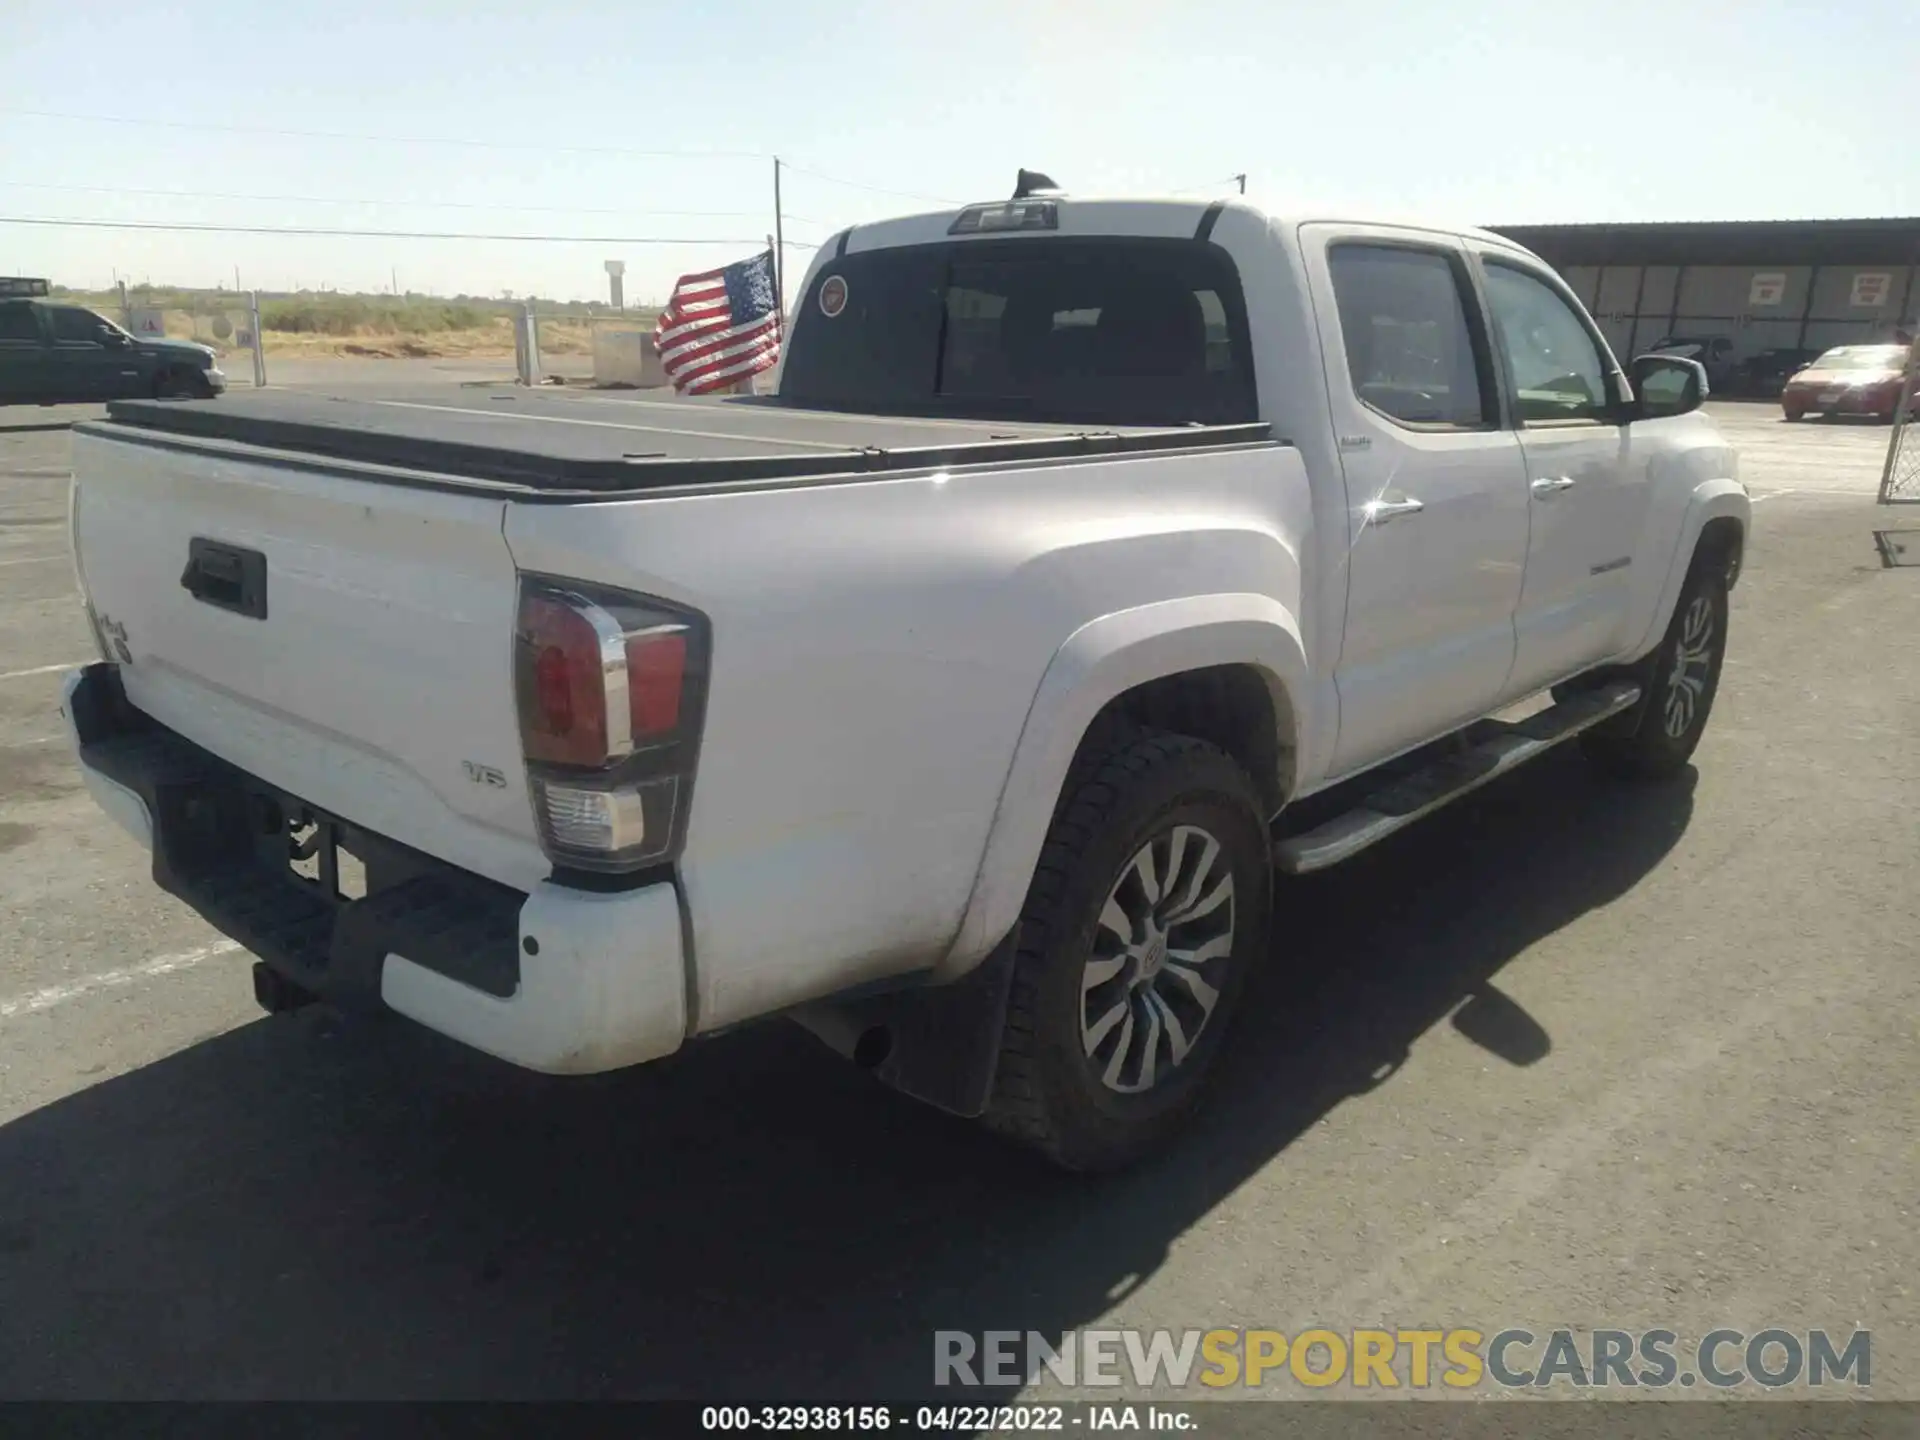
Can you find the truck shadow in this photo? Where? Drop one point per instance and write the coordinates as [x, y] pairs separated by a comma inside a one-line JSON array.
[[309, 1208]]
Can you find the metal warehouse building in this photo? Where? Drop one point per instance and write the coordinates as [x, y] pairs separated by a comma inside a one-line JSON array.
[[1763, 285]]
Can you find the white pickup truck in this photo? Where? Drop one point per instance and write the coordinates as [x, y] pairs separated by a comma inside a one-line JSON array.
[[1097, 560]]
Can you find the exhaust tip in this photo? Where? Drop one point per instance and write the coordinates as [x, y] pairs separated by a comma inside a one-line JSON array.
[[275, 993], [873, 1047]]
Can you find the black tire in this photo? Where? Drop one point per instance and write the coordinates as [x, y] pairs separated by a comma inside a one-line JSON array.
[[180, 385], [1059, 1092], [1667, 732]]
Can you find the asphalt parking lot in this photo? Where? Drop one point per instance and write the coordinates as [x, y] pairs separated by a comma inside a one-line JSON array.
[[1567, 1055]]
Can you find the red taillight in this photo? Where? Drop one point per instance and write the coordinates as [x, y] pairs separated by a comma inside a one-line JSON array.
[[566, 721], [610, 689], [556, 699], [656, 673]]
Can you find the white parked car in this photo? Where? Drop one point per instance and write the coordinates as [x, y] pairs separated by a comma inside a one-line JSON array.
[[958, 701]]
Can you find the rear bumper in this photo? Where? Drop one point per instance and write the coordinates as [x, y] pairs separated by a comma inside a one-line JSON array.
[[558, 980]]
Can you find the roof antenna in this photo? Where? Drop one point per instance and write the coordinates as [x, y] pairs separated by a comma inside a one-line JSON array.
[[1033, 182]]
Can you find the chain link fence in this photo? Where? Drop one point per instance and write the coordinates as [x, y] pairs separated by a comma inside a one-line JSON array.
[[1900, 481], [226, 322]]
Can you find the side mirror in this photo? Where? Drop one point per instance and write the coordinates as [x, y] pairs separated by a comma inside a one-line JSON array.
[[113, 339], [1665, 385]]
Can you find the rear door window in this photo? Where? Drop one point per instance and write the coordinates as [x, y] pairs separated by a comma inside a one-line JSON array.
[[1412, 353], [1109, 331], [18, 323]]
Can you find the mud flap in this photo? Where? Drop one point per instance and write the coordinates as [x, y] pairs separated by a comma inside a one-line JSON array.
[[939, 1044]]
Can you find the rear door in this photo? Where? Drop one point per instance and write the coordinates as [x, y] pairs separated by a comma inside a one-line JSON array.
[[23, 354], [373, 678], [1435, 484], [1587, 475]]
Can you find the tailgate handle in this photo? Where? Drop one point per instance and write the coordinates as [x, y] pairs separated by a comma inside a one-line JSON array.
[[227, 577]]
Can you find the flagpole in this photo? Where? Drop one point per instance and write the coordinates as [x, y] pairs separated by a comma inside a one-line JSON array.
[[778, 246]]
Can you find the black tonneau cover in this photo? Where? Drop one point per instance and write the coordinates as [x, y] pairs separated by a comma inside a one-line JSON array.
[[560, 444]]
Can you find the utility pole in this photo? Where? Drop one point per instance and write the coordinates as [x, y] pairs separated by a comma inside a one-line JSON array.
[[259, 345], [779, 248], [1242, 179], [236, 279]]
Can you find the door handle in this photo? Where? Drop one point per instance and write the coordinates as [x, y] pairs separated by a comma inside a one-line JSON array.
[[1552, 485], [1379, 512], [227, 577]]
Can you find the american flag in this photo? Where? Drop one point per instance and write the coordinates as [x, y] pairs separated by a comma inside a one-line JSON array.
[[720, 326]]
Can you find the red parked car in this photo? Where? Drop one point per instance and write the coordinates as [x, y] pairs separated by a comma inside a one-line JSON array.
[[1849, 380]]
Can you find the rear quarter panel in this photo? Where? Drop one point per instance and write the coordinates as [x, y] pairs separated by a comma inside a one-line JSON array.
[[878, 646]]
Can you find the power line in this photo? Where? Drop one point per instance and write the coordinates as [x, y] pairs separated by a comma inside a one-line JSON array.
[[369, 200], [1211, 186], [193, 228], [862, 185], [465, 142]]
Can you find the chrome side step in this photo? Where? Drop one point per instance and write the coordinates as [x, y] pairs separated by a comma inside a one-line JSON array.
[[1397, 805]]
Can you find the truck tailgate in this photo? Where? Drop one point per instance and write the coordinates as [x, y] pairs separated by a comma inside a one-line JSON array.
[[374, 682]]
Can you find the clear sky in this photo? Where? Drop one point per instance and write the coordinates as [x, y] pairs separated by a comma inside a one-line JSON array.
[[1498, 111]]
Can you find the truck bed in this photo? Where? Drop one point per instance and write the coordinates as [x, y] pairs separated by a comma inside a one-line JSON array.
[[558, 446]]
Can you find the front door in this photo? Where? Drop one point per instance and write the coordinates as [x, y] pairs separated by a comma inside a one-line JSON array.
[[85, 367], [1435, 485], [1588, 491]]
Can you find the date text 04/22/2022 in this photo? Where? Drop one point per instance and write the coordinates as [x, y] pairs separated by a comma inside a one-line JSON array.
[[945, 1419]]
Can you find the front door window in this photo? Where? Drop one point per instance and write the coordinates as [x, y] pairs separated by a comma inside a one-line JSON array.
[[1559, 373]]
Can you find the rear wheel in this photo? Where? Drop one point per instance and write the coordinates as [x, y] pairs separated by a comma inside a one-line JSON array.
[[1148, 908], [1681, 680]]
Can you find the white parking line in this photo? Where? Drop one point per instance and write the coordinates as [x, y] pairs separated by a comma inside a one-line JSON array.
[[42, 670], [53, 995]]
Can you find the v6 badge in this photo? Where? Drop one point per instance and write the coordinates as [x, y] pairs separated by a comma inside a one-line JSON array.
[[484, 775]]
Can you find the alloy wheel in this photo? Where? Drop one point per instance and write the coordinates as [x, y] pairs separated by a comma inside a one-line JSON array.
[[1159, 960], [1692, 665]]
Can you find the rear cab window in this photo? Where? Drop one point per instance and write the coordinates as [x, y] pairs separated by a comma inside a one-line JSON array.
[[1864, 357], [18, 323], [1098, 330]]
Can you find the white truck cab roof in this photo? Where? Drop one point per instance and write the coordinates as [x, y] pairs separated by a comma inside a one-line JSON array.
[[1171, 216]]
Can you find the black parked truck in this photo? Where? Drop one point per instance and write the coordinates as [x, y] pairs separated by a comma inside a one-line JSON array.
[[53, 353]]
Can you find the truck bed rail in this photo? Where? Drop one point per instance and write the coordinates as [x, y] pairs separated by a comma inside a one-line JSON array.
[[565, 448]]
